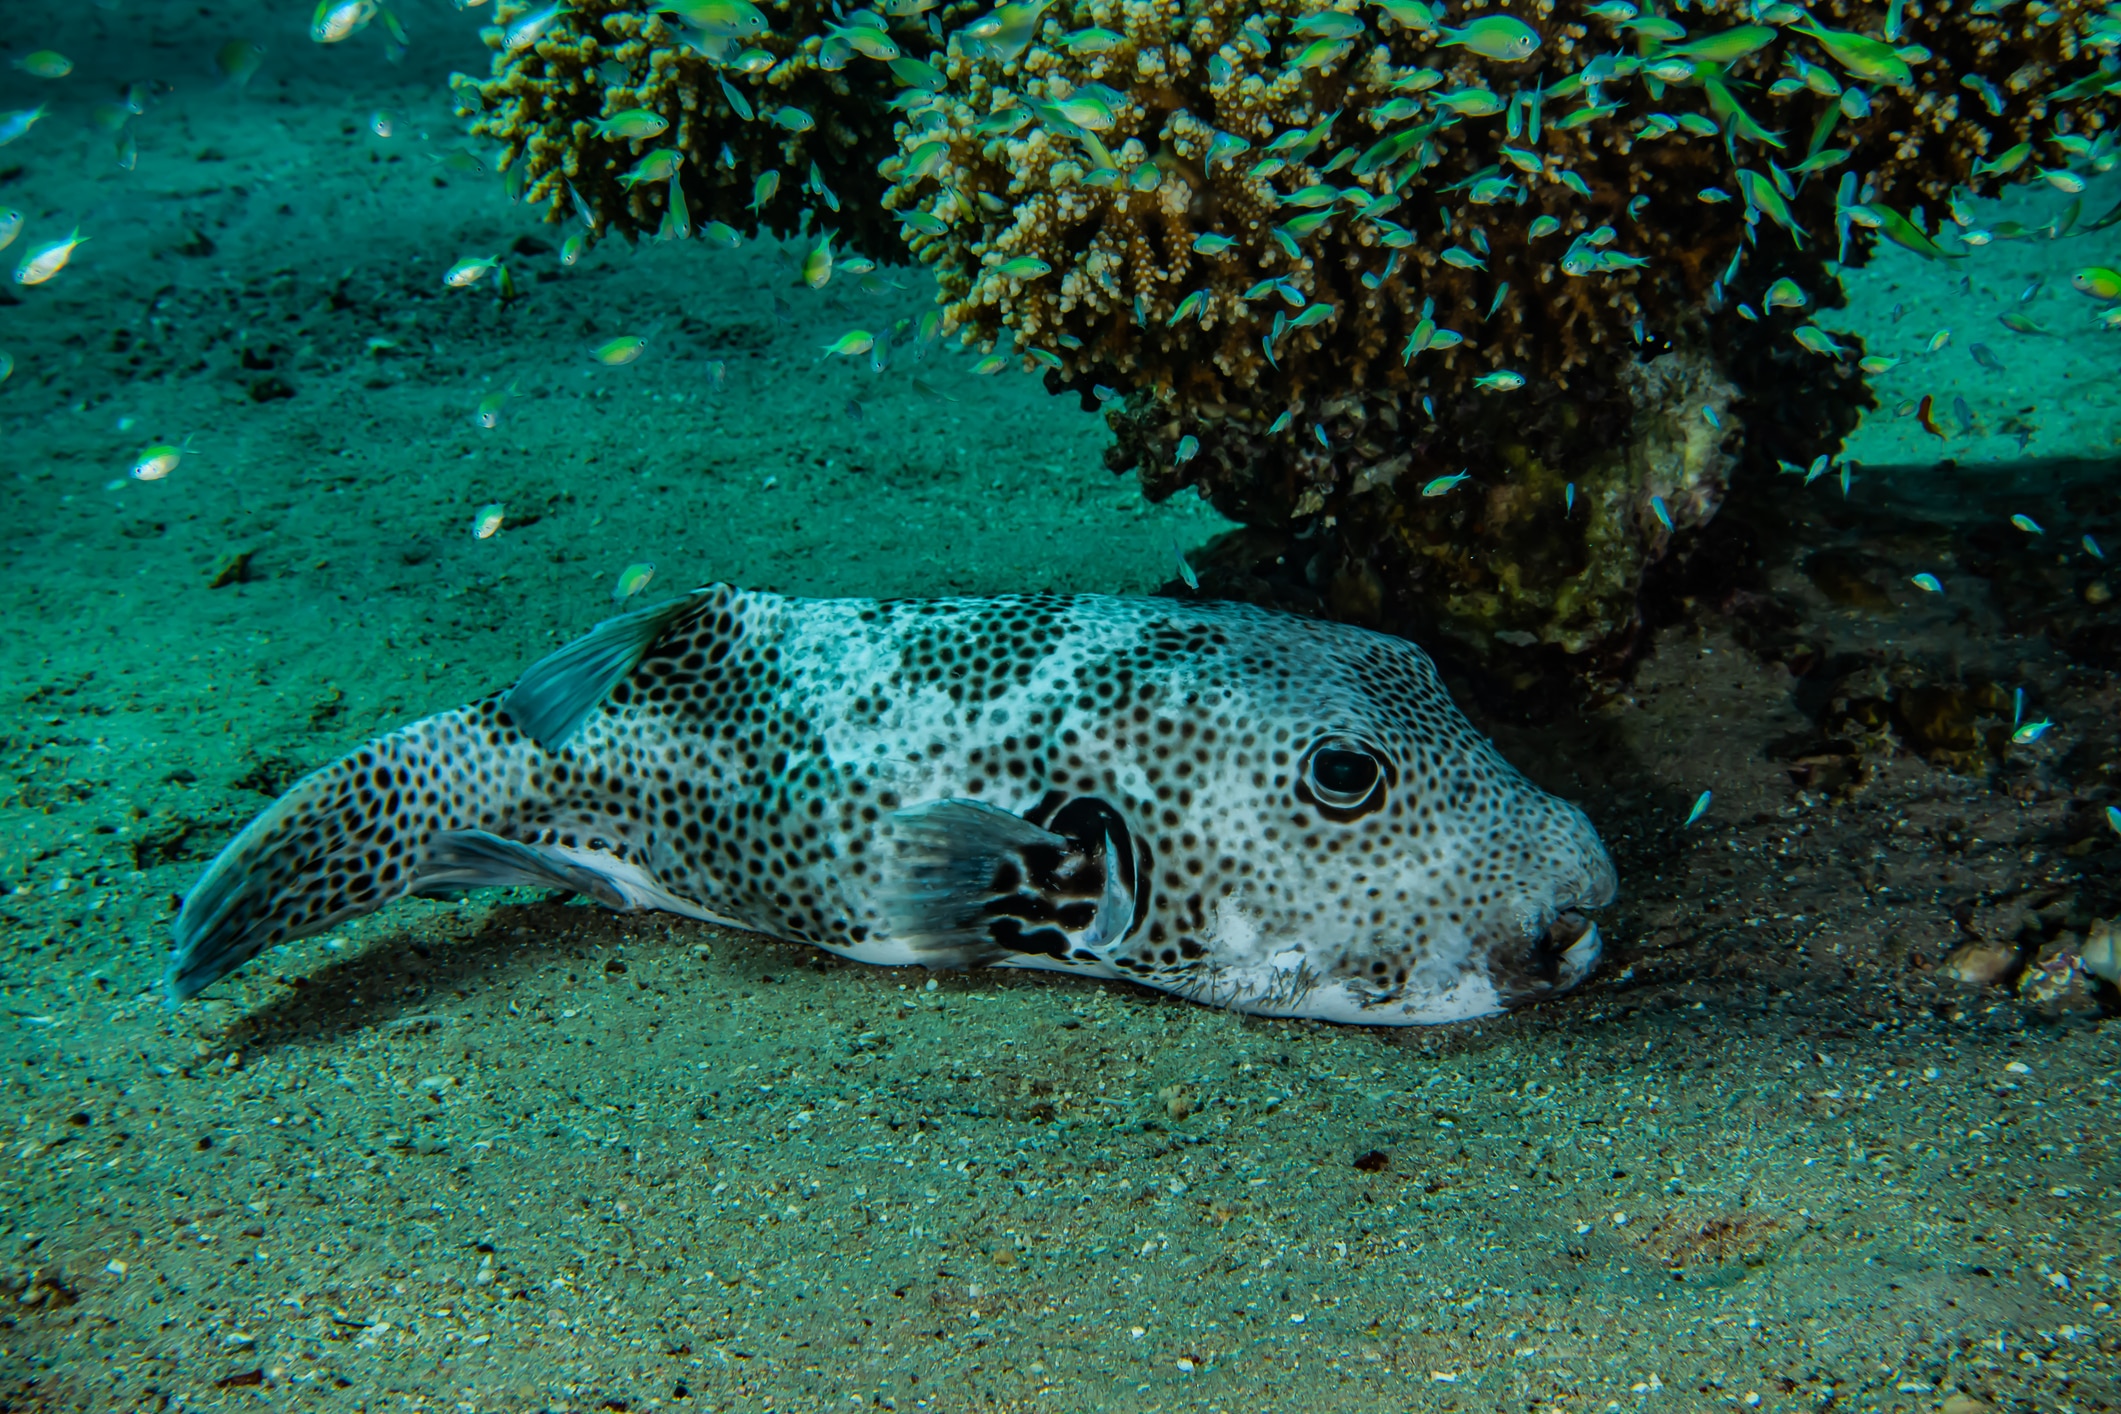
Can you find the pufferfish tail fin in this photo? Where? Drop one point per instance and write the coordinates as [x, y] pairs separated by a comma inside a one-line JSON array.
[[414, 812], [349, 838]]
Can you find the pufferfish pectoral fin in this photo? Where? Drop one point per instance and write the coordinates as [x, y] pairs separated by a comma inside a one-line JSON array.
[[955, 859], [557, 693]]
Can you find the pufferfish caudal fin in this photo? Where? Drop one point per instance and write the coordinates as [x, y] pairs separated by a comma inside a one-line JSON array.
[[414, 812], [343, 841]]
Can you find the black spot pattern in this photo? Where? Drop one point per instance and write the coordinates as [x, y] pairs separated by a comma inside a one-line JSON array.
[[751, 764]]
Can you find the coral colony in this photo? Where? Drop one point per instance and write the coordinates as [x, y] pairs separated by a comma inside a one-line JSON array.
[[1492, 295]]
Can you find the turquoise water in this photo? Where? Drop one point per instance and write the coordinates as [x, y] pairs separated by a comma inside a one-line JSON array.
[[1820, 1133]]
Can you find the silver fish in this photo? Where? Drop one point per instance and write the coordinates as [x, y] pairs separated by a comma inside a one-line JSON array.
[[1249, 810]]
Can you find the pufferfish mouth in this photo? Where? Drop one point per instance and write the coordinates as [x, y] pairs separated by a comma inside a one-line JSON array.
[[1554, 962]]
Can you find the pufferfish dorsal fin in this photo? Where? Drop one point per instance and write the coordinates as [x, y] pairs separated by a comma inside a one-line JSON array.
[[955, 857], [557, 693]]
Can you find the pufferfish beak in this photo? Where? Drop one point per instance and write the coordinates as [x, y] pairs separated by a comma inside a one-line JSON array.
[[1579, 956]]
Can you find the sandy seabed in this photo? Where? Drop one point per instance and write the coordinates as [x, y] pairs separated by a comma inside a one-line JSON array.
[[512, 1154]]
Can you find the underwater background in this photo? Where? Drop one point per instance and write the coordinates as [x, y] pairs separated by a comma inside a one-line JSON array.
[[1833, 1127]]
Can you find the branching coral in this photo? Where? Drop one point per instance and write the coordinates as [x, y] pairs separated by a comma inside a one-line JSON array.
[[1327, 250], [766, 114], [1320, 257]]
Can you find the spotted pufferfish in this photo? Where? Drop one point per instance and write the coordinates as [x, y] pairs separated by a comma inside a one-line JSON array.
[[1244, 808]]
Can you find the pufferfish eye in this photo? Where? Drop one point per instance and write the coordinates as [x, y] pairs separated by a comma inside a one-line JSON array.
[[1343, 775]]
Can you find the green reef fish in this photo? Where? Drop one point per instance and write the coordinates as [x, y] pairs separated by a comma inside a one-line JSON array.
[[1823, 160], [469, 271], [1471, 102], [632, 580], [1785, 293], [633, 123], [336, 20], [1728, 47], [14, 124], [45, 64], [1737, 122], [1503, 380], [47, 260], [851, 344], [1817, 340], [1321, 54], [158, 461], [1023, 267], [621, 351], [816, 267], [2005, 162], [658, 166], [1866, 58], [2098, 281], [238, 62], [614, 767], [1443, 485], [1210, 243], [1098, 41], [1590, 113], [1007, 31], [487, 521], [1927, 583], [1657, 28], [870, 43], [723, 19], [1087, 110], [1224, 146], [919, 73], [1409, 14], [1502, 37], [488, 412], [1330, 24], [529, 29], [1191, 305], [1903, 232], [1761, 194], [925, 160]]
